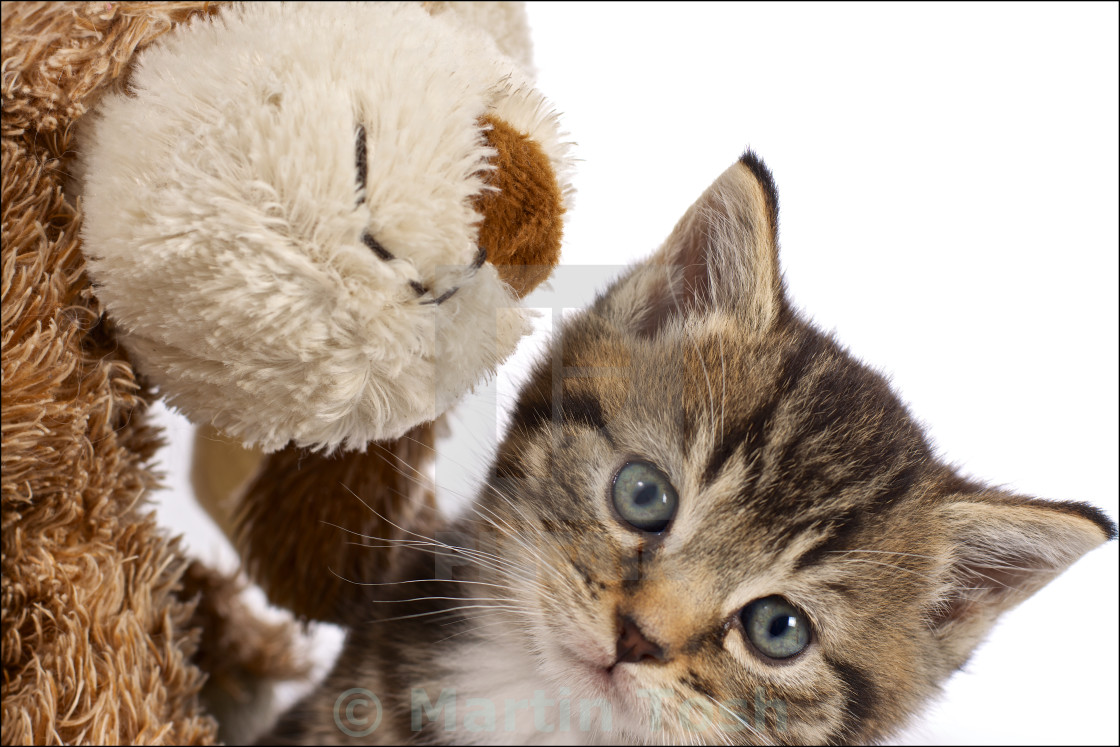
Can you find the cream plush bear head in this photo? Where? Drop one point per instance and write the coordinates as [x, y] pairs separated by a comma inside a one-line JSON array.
[[284, 215]]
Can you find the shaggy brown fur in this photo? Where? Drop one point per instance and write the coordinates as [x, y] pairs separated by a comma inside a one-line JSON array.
[[100, 625]]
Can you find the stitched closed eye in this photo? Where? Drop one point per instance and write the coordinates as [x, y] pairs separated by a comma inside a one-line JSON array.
[[361, 162]]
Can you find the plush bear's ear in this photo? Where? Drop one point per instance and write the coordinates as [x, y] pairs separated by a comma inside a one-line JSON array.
[[522, 208], [1003, 549], [722, 256]]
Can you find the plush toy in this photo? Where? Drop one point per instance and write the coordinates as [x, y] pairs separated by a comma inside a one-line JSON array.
[[307, 227]]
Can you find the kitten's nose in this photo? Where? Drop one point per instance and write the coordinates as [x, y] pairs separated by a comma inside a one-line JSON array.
[[633, 646]]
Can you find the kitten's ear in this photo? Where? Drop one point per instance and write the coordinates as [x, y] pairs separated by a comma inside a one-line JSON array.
[[723, 254], [1004, 548]]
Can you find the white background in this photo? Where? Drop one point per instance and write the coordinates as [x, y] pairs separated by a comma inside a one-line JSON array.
[[948, 182]]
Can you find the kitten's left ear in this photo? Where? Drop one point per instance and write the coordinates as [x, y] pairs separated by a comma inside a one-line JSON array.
[[1003, 549], [722, 255]]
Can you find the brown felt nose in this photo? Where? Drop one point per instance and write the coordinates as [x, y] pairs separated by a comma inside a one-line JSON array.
[[633, 646]]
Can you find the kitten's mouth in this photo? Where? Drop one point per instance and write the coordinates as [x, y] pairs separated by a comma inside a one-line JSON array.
[[603, 673]]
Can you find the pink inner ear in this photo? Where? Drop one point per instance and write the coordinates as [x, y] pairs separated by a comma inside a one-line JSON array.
[[983, 583], [1008, 547], [683, 288], [722, 254]]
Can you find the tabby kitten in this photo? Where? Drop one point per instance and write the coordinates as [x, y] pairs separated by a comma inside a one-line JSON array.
[[708, 522]]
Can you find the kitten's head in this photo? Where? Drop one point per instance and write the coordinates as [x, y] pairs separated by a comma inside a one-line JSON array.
[[725, 520]]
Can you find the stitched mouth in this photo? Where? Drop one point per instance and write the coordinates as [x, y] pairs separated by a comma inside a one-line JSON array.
[[361, 163], [419, 288]]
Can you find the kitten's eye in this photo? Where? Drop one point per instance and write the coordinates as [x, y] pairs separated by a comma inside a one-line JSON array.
[[776, 628], [644, 497]]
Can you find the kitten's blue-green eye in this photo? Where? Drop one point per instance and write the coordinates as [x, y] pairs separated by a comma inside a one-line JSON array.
[[776, 628], [644, 497]]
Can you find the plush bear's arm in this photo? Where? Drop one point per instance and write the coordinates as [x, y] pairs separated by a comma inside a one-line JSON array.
[[313, 529]]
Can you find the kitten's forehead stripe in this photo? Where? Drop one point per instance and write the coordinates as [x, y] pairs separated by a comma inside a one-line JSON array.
[[841, 529], [835, 535], [538, 406], [828, 437], [751, 432]]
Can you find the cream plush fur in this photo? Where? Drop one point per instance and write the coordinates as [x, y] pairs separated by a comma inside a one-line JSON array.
[[232, 259]]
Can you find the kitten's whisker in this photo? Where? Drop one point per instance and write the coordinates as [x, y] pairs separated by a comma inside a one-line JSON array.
[[498, 563], [478, 616], [493, 518], [421, 547], [456, 552], [883, 552], [471, 630], [451, 610], [420, 481], [892, 565], [542, 564], [468, 498], [417, 534], [390, 541], [449, 599], [995, 581], [1000, 566], [513, 533], [424, 581], [723, 735], [468, 551], [471, 504], [499, 493], [412, 581], [531, 521]]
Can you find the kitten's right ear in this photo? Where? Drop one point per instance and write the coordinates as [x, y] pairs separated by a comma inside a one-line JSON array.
[[1004, 548], [722, 255]]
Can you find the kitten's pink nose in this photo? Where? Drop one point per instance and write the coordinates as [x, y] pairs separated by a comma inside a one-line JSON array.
[[633, 646]]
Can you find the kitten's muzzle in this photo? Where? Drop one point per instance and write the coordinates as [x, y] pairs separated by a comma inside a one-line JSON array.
[[633, 646]]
